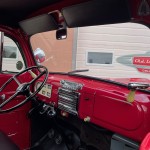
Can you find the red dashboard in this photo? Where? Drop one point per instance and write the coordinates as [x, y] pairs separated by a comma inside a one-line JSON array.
[[99, 102]]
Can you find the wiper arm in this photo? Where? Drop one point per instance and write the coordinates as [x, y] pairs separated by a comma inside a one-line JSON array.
[[76, 71]]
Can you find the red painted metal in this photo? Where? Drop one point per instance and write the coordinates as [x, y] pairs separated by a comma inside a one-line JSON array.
[[146, 143], [16, 124], [106, 105]]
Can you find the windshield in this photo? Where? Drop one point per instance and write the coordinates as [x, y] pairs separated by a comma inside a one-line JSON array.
[[106, 51]]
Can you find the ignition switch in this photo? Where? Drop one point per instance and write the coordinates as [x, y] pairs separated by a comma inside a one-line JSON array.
[[49, 110]]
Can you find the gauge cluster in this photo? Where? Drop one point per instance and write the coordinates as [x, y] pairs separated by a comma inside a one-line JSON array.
[[46, 90]]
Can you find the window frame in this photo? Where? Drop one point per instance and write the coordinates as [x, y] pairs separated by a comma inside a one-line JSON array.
[[19, 50]]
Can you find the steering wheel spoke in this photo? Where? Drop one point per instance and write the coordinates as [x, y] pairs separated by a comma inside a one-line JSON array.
[[17, 81], [8, 100]]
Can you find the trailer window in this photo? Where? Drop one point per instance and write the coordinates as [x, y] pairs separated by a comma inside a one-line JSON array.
[[99, 58], [10, 52]]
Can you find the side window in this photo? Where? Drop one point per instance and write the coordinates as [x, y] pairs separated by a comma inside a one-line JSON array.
[[12, 60]]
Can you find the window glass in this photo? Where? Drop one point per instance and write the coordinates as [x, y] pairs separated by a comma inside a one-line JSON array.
[[109, 51], [99, 58], [12, 59], [10, 52], [59, 53]]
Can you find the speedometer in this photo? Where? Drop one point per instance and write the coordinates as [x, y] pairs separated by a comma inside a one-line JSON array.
[[37, 85]]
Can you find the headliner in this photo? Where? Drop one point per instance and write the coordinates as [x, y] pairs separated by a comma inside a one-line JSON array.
[[13, 11]]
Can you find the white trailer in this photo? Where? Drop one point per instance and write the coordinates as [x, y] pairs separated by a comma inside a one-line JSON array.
[[114, 50]]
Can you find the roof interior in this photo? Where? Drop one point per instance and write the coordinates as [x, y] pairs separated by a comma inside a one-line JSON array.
[[13, 11]]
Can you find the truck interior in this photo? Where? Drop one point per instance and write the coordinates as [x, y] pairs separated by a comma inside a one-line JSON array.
[[55, 98]]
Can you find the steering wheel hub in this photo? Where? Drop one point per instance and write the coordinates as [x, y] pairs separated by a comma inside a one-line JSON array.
[[22, 88]]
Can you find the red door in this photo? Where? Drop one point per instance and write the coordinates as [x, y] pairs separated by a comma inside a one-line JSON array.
[[16, 123]]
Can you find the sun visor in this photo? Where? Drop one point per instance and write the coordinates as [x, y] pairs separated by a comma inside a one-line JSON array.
[[38, 24], [97, 12]]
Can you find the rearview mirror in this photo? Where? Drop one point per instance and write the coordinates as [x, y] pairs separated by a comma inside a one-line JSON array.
[[61, 34]]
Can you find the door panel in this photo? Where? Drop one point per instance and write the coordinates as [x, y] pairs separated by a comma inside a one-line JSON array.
[[15, 124]]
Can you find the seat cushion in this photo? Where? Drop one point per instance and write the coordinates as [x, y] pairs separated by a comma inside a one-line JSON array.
[[6, 143]]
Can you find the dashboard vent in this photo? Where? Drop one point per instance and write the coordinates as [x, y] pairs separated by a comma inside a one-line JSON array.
[[68, 100]]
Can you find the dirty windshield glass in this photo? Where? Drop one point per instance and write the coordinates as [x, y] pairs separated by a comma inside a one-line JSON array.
[[107, 51]]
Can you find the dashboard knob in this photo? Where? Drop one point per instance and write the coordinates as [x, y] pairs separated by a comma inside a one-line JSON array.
[[87, 119]]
